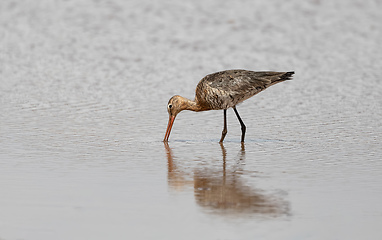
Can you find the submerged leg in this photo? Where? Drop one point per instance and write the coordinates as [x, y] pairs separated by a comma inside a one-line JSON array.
[[243, 127], [224, 132]]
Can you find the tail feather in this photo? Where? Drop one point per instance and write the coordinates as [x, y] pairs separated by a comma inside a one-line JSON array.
[[287, 76], [280, 77]]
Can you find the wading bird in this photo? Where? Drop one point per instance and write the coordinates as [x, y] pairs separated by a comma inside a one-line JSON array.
[[222, 90]]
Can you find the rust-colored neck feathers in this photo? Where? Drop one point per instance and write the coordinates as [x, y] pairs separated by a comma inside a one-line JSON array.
[[178, 103], [188, 104]]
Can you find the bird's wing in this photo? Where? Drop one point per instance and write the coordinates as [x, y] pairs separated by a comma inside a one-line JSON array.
[[235, 86], [243, 80]]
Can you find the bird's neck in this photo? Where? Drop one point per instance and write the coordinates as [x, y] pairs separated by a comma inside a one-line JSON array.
[[191, 105]]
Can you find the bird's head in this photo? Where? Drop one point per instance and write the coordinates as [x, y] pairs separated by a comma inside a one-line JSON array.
[[175, 105]]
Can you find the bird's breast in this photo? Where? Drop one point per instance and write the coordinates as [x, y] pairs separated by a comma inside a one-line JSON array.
[[215, 99]]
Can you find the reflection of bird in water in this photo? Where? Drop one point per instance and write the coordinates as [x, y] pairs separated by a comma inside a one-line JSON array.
[[222, 90], [223, 191], [177, 179]]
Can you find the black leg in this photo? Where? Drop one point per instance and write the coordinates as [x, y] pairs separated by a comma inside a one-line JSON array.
[[224, 132], [224, 152], [243, 127]]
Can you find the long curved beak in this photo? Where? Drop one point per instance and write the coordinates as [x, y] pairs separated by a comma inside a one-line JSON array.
[[169, 126]]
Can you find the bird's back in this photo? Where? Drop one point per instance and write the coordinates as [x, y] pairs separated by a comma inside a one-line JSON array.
[[226, 89]]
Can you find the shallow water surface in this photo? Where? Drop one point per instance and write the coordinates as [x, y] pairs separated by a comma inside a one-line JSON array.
[[83, 93]]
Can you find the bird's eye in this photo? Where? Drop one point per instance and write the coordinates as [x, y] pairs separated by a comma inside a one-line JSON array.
[[170, 106]]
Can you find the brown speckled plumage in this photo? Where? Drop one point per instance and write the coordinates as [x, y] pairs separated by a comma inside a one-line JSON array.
[[222, 90], [226, 89]]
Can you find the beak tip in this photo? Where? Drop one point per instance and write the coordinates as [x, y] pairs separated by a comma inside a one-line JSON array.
[[169, 126]]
